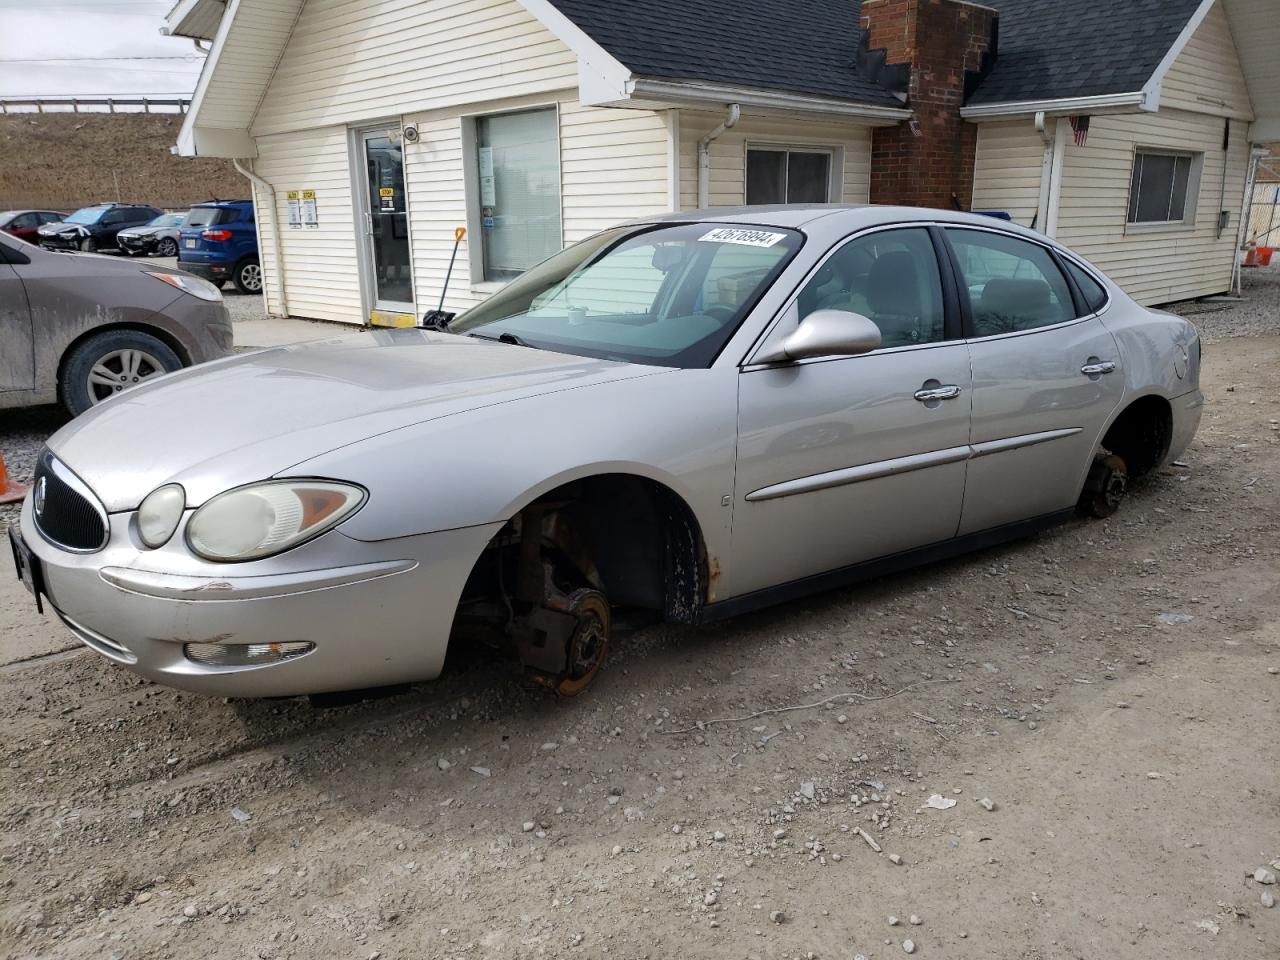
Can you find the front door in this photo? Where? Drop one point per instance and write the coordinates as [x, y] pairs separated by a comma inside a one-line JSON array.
[[17, 359], [847, 459], [1046, 379], [386, 217]]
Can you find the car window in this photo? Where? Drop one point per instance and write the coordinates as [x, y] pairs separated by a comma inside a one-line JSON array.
[[117, 216], [891, 277], [167, 220], [208, 216], [1095, 295], [1013, 284], [87, 215], [49, 218], [24, 221]]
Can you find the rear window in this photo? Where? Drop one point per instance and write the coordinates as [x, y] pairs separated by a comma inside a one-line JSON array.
[[209, 216]]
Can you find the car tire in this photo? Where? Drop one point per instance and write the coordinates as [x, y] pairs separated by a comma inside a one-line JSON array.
[[167, 247], [88, 245], [248, 277], [107, 363]]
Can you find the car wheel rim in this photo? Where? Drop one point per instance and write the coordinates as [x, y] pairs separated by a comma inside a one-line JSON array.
[[168, 248], [251, 277], [119, 370]]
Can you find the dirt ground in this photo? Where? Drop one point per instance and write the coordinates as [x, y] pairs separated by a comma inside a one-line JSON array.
[[1111, 687]]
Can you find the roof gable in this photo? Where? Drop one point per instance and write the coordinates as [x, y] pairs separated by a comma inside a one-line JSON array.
[[1057, 49]]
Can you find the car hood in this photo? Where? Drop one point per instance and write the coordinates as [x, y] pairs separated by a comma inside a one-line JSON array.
[[247, 418], [144, 231]]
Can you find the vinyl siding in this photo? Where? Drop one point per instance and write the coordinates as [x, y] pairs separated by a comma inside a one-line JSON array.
[[1167, 263], [613, 167], [355, 60], [729, 154], [320, 265], [1206, 77], [1007, 169]]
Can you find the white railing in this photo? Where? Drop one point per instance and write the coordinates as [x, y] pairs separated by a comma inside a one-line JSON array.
[[70, 104]]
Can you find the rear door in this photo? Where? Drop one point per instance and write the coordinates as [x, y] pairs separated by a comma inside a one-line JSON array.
[[17, 348], [1046, 378], [847, 459]]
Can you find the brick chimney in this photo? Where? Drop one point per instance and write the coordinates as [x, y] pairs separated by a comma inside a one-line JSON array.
[[947, 46]]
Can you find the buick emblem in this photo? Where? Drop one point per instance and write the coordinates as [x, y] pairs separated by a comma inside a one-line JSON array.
[[37, 496]]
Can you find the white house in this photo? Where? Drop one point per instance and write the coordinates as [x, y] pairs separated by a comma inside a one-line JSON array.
[[372, 129]]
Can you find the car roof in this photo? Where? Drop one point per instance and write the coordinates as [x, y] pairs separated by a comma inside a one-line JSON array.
[[858, 215], [221, 203]]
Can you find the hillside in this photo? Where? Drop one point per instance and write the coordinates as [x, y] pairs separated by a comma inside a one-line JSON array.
[[66, 160]]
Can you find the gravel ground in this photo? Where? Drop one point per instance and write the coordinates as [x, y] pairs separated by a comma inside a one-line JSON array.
[[1259, 314], [1108, 689]]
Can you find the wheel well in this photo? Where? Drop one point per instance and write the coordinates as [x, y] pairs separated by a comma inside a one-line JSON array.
[[629, 536], [247, 258], [1141, 434]]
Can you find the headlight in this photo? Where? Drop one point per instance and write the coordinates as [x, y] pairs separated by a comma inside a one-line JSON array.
[[189, 284], [265, 518], [159, 513]]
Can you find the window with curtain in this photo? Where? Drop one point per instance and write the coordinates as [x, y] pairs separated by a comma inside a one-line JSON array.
[[518, 172]]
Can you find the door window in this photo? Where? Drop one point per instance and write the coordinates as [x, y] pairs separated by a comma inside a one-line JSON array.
[[388, 218], [24, 221], [892, 278], [1013, 284], [776, 175]]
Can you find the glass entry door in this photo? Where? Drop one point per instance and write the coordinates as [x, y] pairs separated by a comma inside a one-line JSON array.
[[387, 220]]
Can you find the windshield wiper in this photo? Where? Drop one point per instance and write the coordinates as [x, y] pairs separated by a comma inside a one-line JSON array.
[[505, 338]]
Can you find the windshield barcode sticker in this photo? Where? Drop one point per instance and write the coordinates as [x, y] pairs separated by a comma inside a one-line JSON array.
[[750, 238]]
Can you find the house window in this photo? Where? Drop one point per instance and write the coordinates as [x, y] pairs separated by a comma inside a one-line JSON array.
[[518, 175], [781, 175], [1163, 186]]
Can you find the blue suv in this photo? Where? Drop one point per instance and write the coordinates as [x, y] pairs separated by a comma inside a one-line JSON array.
[[219, 242]]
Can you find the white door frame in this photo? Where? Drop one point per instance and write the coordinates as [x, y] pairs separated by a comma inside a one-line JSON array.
[[363, 208]]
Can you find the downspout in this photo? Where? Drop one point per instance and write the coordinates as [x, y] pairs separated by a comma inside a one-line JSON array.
[[1046, 170], [1061, 130], [704, 154], [277, 258]]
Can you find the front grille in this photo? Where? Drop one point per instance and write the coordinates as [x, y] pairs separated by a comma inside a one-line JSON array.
[[65, 510]]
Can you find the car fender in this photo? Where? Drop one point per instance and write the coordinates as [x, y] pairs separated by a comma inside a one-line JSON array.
[[483, 466]]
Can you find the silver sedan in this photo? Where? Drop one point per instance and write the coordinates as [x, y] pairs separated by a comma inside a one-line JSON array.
[[696, 415]]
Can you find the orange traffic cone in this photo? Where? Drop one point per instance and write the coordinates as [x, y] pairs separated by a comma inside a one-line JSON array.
[[10, 492]]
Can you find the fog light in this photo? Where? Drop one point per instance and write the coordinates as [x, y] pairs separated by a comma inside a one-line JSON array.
[[244, 654]]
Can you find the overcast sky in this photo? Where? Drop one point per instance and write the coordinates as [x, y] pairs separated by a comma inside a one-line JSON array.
[[55, 47]]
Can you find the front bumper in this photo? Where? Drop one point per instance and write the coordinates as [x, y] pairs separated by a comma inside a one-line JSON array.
[[377, 613], [61, 242], [144, 244]]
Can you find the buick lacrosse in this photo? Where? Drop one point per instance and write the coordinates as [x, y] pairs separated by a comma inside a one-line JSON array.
[[695, 415]]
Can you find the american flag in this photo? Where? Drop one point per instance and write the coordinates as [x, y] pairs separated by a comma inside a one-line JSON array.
[[1080, 127]]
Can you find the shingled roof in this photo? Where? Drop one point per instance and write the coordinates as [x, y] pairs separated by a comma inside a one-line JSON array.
[[1054, 49], [798, 46]]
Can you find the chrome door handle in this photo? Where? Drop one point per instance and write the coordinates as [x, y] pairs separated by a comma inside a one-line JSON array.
[[929, 394], [1097, 367]]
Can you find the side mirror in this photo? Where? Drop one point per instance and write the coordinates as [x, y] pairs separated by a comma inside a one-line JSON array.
[[825, 333]]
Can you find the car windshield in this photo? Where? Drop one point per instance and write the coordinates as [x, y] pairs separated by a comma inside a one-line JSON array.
[[665, 295], [208, 216], [167, 220], [86, 215]]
